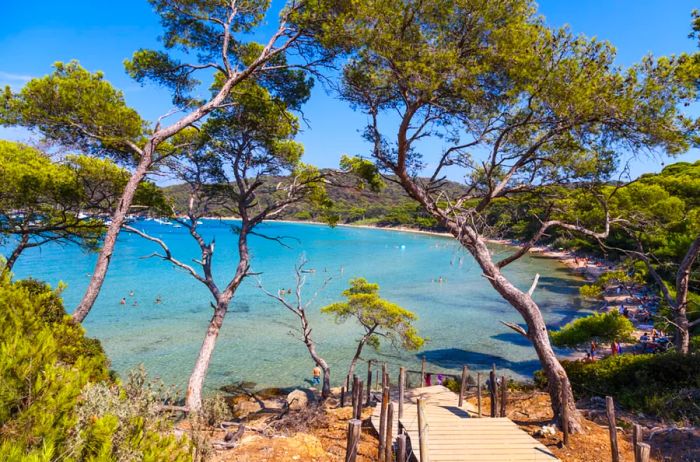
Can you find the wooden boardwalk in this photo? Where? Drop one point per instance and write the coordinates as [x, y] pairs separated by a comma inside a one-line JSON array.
[[455, 434]]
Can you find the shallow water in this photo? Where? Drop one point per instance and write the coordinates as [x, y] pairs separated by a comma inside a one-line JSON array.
[[460, 316]]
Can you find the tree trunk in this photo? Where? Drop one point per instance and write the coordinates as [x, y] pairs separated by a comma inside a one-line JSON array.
[[682, 339], [100, 271], [559, 386], [193, 400], [360, 345], [12, 259], [320, 362]]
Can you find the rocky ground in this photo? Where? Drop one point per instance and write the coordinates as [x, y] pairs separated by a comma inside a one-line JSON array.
[[310, 432], [530, 410]]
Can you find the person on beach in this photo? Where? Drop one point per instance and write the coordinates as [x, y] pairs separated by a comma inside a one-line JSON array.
[[594, 347], [316, 379]]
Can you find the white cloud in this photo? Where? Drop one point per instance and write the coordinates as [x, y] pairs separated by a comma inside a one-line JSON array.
[[9, 76]]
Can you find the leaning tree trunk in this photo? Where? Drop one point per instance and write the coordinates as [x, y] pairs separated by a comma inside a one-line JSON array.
[[12, 259], [193, 399], [560, 392], [105, 256], [320, 362], [358, 352], [559, 386], [145, 161]]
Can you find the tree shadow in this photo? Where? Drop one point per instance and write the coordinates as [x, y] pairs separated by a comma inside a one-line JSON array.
[[513, 338], [455, 358], [559, 286]]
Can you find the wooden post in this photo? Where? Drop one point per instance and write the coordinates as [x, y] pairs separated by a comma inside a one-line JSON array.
[[382, 421], [402, 386], [358, 410], [401, 450], [355, 397], [422, 372], [643, 451], [389, 444], [422, 431], [369, 381], [492, 391], [342, 396], [636, 439], [383, 375], [610, 408], [354, 427], [504, 395], [478, 393], [463, 386], [376, 380]]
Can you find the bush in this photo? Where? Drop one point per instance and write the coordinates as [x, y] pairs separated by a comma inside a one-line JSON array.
[[604, 327], [666, 385], [57, 399]]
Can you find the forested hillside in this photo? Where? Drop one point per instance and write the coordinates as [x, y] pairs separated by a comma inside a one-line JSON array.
[[351, 204]]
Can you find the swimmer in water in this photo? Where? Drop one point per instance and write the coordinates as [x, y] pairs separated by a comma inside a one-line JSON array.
[[158, 300], [122, 301], [131, 293], [136, 303]]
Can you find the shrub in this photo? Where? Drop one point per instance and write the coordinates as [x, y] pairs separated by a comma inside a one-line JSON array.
[[604, 327], [666, 385], [57, 399], [44, 364]]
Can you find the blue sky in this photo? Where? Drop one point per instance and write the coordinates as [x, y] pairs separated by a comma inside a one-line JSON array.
[[102, 34]]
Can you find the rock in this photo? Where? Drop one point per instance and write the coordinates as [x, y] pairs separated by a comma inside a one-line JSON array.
[[243, 408], [298, 399], [547, 430]]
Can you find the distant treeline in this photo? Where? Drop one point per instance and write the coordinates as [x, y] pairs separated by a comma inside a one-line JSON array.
[[389, 207]]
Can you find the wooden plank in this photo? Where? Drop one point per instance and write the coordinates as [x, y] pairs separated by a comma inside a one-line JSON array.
[[456, 435]]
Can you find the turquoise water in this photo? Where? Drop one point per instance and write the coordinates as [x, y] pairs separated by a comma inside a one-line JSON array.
[[460, 316]]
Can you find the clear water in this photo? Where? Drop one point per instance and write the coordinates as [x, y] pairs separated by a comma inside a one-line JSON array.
[[460, 316]]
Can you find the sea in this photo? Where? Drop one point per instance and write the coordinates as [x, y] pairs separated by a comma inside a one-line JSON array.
[[167, 311]]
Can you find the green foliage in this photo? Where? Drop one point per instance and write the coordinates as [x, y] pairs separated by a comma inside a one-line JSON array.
[[126, 423], [43, 201], [44, 364], [379, 318], [666, 385], [79, 109], [604, 327], [608, 278], [57, 399], [365, 170], [199, 28]]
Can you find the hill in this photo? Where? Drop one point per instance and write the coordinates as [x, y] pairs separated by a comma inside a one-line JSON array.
[[390, 207]]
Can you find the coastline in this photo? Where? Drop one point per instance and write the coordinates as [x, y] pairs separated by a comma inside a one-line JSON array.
[[565, 257]]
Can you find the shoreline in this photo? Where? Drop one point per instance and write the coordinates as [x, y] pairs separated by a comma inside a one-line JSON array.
[[587, 268], [567, 258]]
